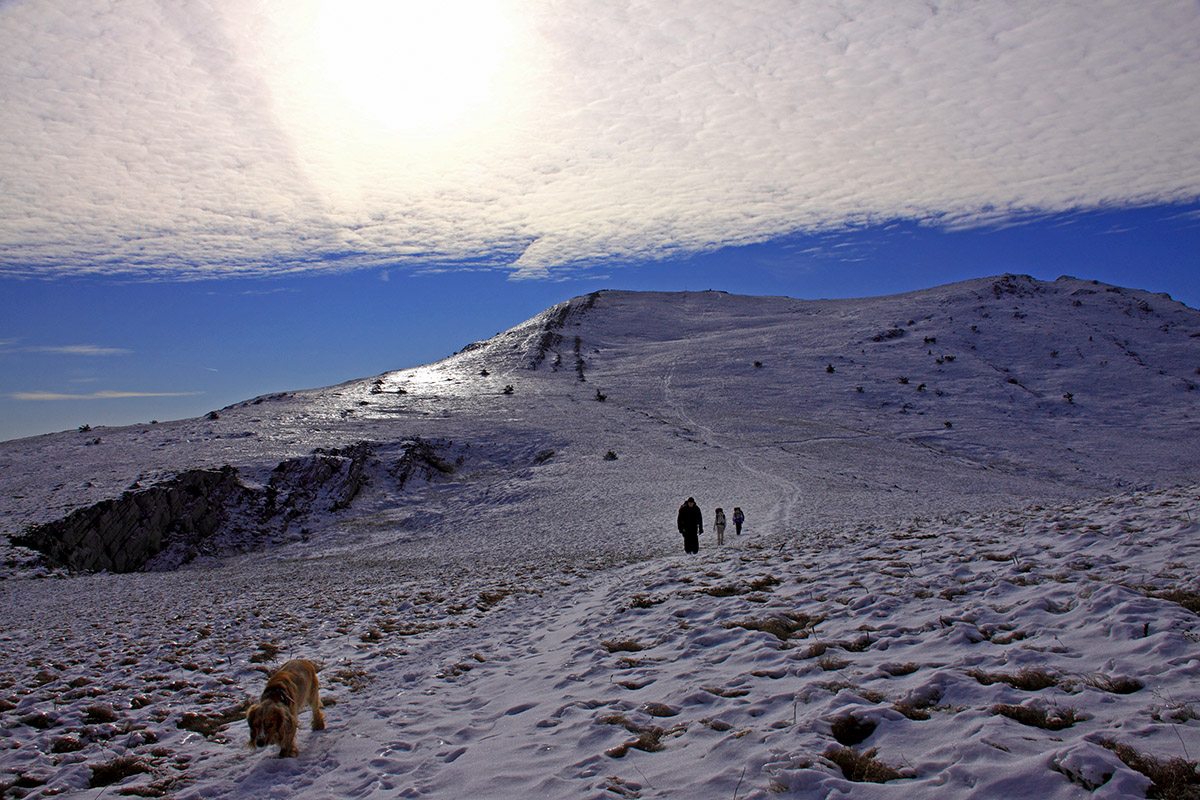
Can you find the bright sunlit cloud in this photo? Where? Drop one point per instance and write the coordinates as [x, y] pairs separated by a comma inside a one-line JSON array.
[[262, 136], [413, 66]]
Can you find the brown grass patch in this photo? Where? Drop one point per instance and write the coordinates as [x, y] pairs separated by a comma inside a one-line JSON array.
[[830, 662], [118, 769], [862, 767], [353, 678], [1027, 679], [622, 645], [897, 670], [728, 590], [1050, 719], [1113, 684], [1173, 779], [648, 737], [1185, 597], [781, 626], [209, 725]]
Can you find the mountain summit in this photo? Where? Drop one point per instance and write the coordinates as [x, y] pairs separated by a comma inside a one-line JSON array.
[[580, 430]]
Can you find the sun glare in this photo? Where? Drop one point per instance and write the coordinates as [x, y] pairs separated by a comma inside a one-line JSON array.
[[417, 66]]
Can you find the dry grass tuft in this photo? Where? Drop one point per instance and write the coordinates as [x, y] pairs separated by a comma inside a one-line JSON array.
[[118, 769], [764, 583], [781, 626], [1185, 597], [897, 670], [209, 725], [1173, 779], [1050, 719], [622, 645], [1114, 684], [850, 730], [266, 652], [830, 662], [815, 649], [862, 767], [353, 678], [648, 737], [1028, 679], [728, 590]]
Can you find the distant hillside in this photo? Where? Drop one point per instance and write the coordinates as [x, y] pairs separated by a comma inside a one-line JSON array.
[[588, 424]]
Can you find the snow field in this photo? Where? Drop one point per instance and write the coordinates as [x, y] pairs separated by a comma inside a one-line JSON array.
[[743, 670]]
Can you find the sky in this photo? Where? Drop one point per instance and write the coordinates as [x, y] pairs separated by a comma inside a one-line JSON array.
[[202, 203]]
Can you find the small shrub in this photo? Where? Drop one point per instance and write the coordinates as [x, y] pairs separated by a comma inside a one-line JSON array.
[[1069, 397], [84, 428], [212, 416], [758, 364], [610, 456], [508, 389], [600, 397], [829, 368], [622, 645]]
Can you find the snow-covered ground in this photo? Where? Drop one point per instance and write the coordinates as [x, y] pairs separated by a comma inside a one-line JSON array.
[[925, 560]]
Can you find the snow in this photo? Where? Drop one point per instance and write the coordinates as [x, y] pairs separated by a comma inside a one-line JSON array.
[[512, 627]]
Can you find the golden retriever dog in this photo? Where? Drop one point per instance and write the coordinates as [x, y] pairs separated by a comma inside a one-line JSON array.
[[273, 719]]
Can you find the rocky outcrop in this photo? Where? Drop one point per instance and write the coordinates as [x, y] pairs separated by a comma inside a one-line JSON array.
[[124, 533], [200, 512]]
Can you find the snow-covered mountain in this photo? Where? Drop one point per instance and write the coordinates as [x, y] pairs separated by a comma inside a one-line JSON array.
[[978, 395], [978, 480]]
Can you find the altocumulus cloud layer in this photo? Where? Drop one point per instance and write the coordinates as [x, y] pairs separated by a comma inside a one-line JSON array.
[[188, 139]]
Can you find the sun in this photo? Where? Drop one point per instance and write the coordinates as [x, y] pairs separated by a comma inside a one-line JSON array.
[[416, 66]]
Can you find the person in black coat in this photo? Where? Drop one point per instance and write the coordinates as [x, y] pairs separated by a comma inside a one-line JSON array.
[[691, 524]]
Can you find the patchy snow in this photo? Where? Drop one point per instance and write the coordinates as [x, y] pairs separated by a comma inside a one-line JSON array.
[[522, 624]]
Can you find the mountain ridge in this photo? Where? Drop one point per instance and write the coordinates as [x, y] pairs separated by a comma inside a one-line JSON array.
[[984, 393]]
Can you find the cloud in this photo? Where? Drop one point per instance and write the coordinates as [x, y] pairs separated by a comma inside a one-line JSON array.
[[41, 396], [80, 350], [192, 140]]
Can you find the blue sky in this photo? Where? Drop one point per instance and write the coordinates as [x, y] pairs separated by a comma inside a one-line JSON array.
[[221, 341], [206, 202]]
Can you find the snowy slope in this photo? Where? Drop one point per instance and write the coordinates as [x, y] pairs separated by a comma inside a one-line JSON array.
[[917, 537]]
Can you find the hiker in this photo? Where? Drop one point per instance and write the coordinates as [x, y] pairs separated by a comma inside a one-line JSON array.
[[738, 519], [691, 525], [719, 526]]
